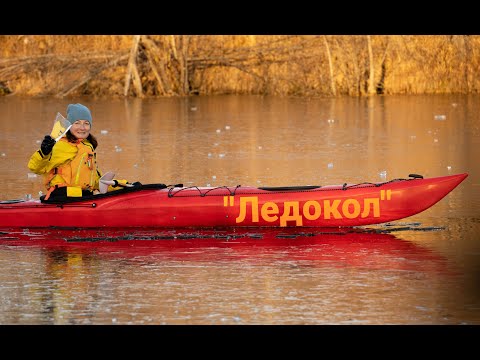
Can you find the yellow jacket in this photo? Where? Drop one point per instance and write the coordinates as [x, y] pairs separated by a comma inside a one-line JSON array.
[[69, 164]]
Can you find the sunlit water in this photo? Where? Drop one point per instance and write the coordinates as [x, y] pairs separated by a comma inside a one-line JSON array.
[[422, 270]]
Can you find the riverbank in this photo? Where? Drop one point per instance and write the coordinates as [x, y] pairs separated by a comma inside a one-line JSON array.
[[184, 65]]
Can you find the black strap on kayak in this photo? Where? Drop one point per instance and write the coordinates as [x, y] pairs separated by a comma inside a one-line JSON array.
[[289, 188]]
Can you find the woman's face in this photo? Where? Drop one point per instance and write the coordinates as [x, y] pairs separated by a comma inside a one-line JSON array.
[[81, 129]]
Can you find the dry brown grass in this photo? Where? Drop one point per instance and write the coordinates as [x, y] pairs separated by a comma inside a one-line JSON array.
[[46, 65]]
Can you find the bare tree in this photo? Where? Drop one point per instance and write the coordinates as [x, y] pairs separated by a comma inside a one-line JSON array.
[[371, 74], [330, 67], [132, 71]]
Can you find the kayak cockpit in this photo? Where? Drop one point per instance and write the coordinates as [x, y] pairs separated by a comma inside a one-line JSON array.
[[122, 191]]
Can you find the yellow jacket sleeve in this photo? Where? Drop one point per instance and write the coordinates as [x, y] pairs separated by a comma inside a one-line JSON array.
[[61, 153]]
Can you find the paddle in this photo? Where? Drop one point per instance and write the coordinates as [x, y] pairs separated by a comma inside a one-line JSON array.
[[60, 127]]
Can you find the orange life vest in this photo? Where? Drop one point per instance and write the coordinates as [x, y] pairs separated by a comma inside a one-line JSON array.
[[80, 172]]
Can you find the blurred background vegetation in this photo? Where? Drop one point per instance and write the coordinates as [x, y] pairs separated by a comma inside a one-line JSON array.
[[181, 65]]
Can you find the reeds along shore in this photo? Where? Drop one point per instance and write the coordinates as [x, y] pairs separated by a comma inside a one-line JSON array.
[[182, 65]]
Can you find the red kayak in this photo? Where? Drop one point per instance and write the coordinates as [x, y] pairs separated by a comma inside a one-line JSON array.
[[158, 205]]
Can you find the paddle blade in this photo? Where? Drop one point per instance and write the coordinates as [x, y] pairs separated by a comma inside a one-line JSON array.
[[102, 186], [60, 127]]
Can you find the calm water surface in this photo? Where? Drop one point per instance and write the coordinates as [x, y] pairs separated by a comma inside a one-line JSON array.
[[421, 270]]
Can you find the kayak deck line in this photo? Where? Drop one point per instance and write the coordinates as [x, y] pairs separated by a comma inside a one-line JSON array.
[[282, 189]]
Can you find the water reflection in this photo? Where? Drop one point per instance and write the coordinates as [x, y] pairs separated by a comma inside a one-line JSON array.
[[306, 247], [70, 278], [162, 277]]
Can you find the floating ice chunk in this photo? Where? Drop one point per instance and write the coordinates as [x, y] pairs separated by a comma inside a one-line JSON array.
[[331, 121], [227, 127], [454, 104], [440, 117], [209, 154], [435, 140], [219, 131], [330, 165], [40, 193], [214, 177], [118, 148], [383, 174], [260, 148], [31, 175], [449, 168], [193, 108], [3, 154], [103, 132], [221, 155]]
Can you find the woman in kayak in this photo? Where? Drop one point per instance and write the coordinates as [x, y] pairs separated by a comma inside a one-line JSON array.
[[69, 166]]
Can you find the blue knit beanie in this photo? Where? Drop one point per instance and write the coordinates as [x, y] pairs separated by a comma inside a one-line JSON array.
[[78, 112]]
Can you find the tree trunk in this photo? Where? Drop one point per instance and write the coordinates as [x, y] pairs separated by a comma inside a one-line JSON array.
[[330, 66], [371, 75], [181, 65], [184, 64], [467, 58], [132, 72], [154, 57], [380, 88]]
